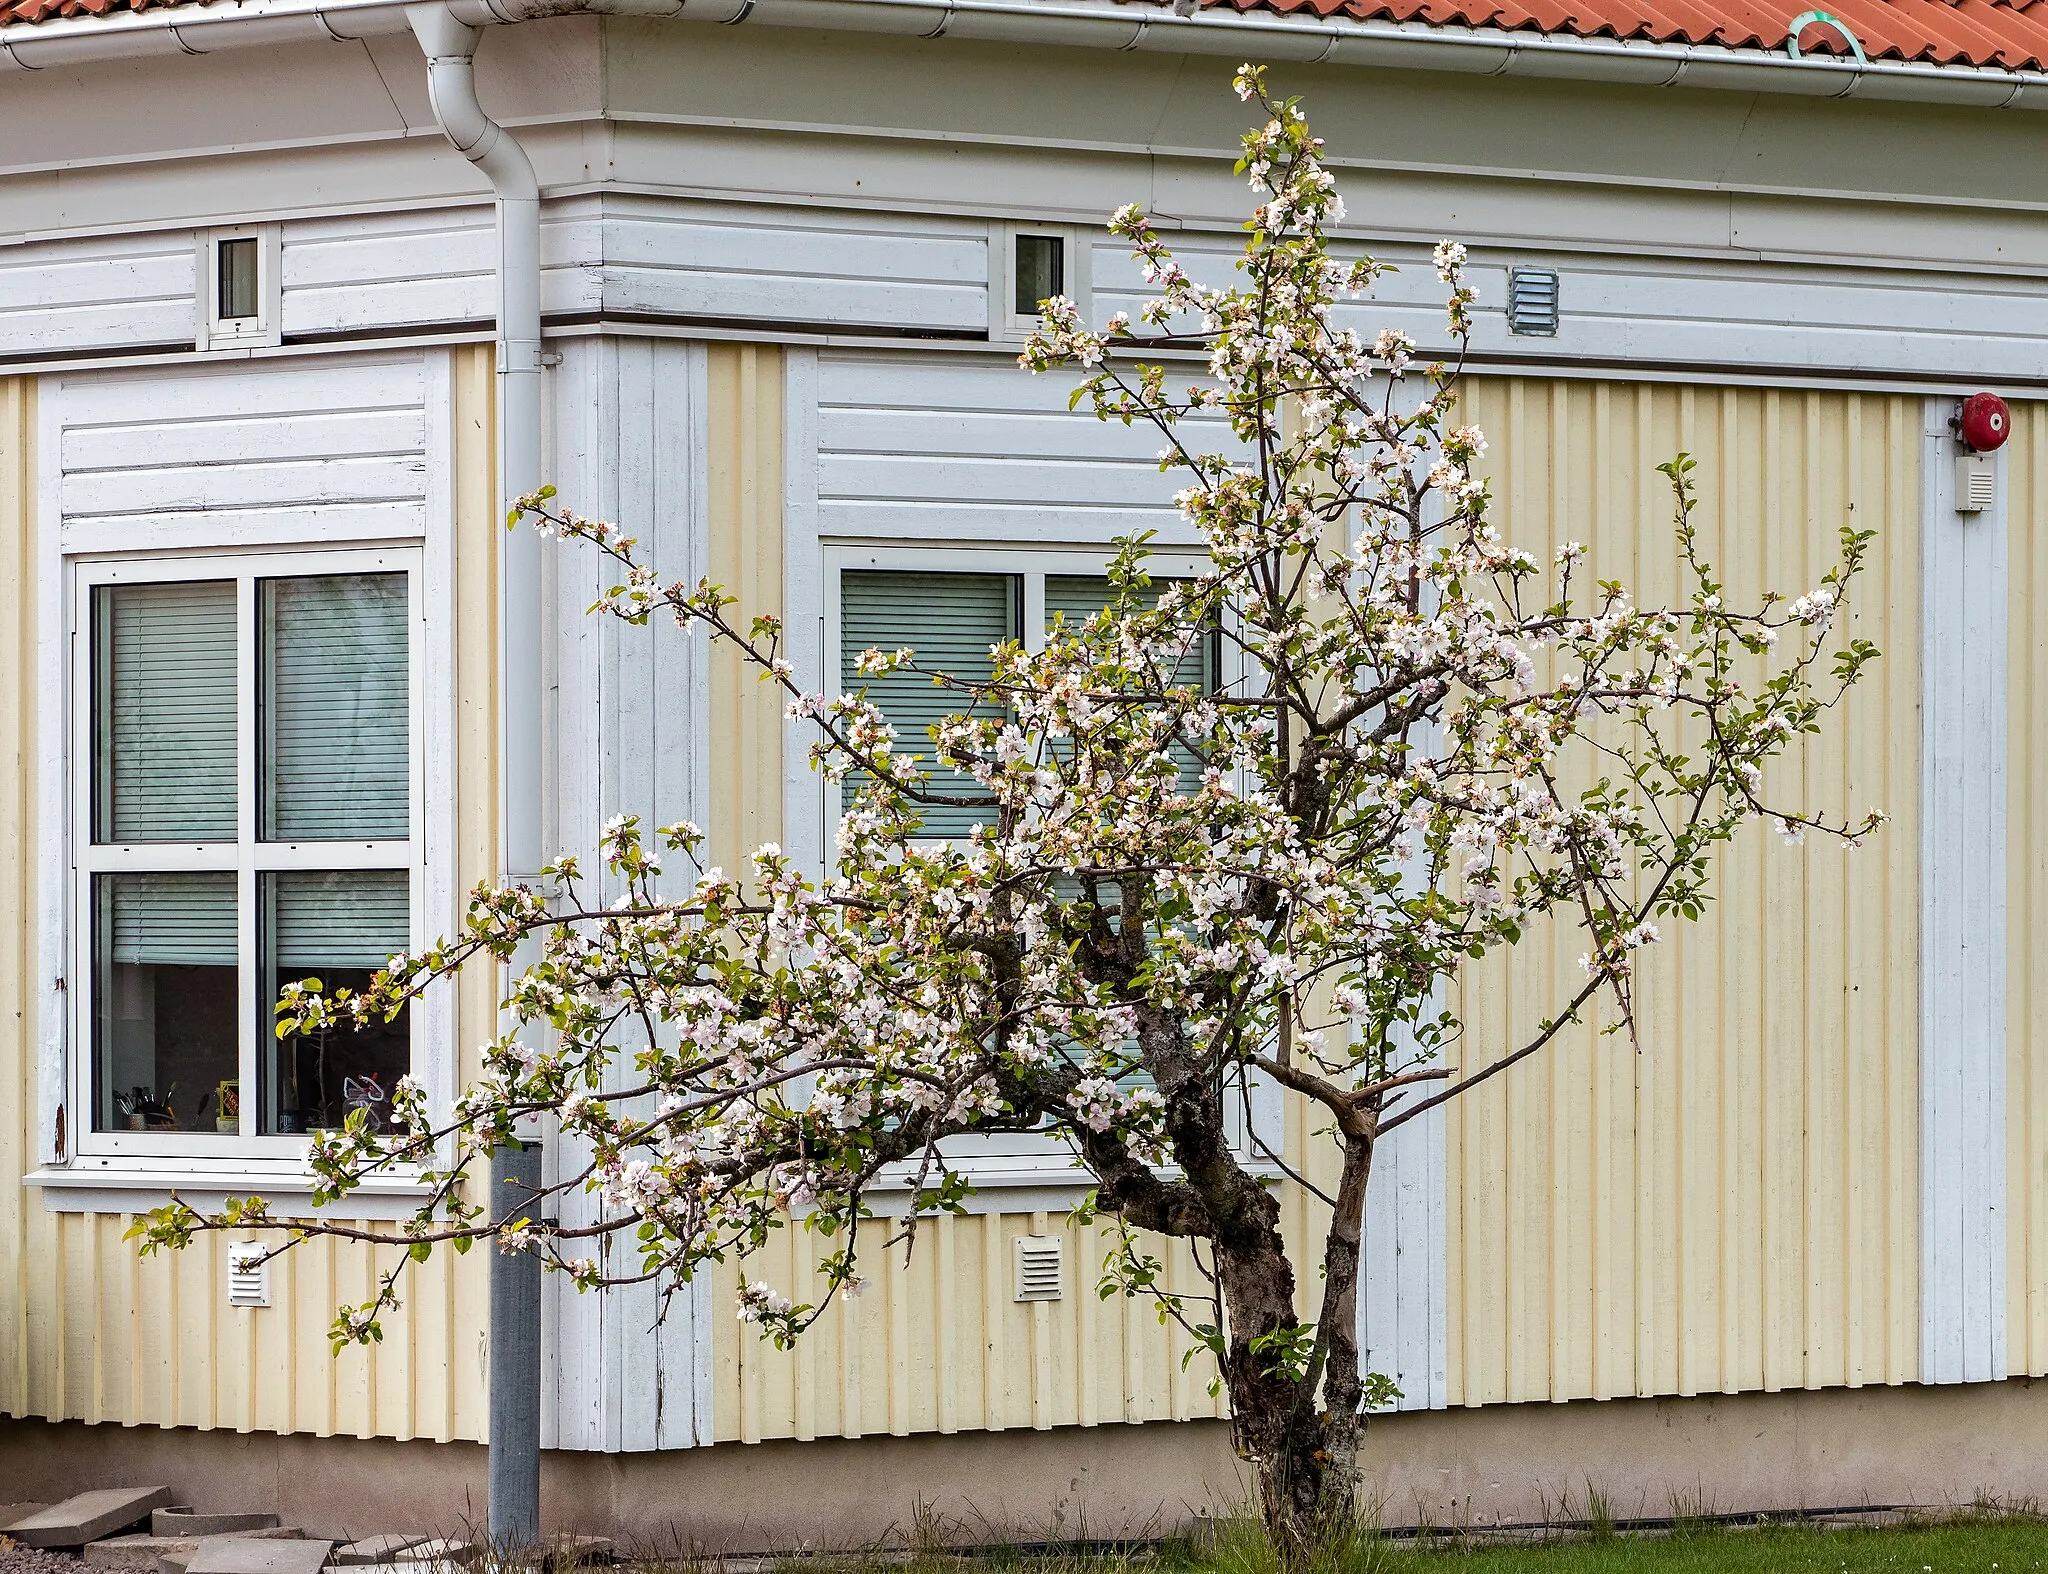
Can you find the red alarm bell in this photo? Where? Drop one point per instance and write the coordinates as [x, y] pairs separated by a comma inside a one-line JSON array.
[[1984, 422]]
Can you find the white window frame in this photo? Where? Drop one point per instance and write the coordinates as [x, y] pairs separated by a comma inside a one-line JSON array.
[[247, 857], [215, 332], [1008, 325], [994, 1163]]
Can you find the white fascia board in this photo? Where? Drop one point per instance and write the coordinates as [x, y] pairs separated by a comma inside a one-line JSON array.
[[1109, 24]]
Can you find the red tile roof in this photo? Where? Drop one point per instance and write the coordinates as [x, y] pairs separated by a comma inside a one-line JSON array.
[[2008, 33], [2012, 34]]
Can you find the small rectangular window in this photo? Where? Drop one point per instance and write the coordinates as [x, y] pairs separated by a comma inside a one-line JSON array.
[[239, 270], [1041, 271], [239, 289]]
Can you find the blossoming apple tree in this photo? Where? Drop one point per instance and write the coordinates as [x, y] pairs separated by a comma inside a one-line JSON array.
[[1426, 742]]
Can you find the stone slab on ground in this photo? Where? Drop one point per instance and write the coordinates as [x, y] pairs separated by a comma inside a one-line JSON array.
[[259, 1555], [154, 1552], [403, 1568], [185, 1522], [379, 1549], [89, 1516], [438, 1549], [10, 1512]]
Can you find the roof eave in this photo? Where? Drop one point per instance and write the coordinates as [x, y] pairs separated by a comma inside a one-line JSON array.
[[1108, 24]]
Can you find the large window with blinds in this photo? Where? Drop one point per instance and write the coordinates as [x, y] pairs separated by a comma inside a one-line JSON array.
[[247, 787]]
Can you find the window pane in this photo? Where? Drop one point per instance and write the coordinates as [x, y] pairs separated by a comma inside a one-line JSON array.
[[240, 261], [165, 1052], [951, 621], [1078, 597], [335, 756], [1041, 271], [164, 712], [339, 928]]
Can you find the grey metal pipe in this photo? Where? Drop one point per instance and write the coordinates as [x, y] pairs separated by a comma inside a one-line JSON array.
[[515, 1376], [515, 1359]]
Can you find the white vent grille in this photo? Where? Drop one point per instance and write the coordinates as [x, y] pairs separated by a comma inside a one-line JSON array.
[[248, 1274], [1041, 1267], [1532, 301], [1976, 483]]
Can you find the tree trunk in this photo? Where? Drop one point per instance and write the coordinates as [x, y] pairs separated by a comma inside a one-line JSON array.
[[1304, 1454], [1274, 1424]]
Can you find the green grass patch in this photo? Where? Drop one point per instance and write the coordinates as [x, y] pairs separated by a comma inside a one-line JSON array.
[[1991, 1546]]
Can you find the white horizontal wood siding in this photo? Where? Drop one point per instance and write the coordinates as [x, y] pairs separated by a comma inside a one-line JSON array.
[[1677, 311], [974, 449], [271, 453], [1963, 924], [837, 270], [625, 1370], [58, 296], [397, 271]]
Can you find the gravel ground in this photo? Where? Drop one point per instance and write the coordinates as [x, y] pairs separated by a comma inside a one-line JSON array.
[[34, 1560]]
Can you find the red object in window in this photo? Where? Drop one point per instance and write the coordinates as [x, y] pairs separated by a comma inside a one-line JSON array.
[[1984, 422]]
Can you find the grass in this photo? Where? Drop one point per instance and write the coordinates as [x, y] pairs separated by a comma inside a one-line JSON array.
[[1967, 1544], [1990, 1546], [1984, 1539]]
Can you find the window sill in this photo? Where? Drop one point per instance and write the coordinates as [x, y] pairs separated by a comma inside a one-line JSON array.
[[1045, 1182], [96, 1184]]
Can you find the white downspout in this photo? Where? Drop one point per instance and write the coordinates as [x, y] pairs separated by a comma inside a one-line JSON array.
[[450, 48], [515, 1320]]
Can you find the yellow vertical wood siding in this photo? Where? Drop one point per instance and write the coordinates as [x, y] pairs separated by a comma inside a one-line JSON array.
[[25, 1326], [2026, 962], [93, 1331], [745, 421], [1735, 1206], [940, 1344]]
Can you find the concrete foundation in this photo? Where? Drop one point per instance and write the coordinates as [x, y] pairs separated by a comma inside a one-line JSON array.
[[1648, 1457]]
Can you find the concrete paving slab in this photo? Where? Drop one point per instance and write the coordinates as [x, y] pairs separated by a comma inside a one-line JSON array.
[[158, 1552], [10, 1512], [439, 1549], [186, 1522], [418, 1567], [89, 1516], [135, 1552], [259, 1555], [378, 1549]]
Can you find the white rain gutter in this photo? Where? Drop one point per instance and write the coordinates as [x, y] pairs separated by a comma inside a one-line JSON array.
[[450, 48], [1107, 24]]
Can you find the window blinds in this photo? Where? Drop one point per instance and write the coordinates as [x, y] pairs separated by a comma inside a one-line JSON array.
[[353, 919], [177, 919], [334, 708], [950, 620], [165, 746], [1078, 597]]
